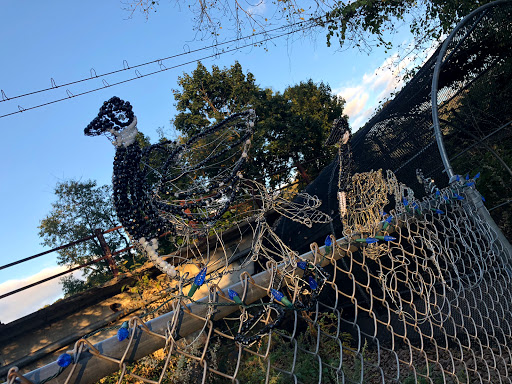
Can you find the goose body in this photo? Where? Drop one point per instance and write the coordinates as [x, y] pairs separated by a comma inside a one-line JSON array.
[[142, 211]]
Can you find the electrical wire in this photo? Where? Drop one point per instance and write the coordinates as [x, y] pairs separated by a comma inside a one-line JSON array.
[[140, 76], [158, 61]]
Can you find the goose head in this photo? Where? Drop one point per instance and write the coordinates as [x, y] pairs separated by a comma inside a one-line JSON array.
[[115, 119]]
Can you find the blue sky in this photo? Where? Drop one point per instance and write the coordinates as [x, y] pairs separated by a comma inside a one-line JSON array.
[[63, 40]]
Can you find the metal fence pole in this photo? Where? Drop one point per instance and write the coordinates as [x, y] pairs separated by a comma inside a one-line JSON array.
[[106, 252], [484, 214], [435, 85]]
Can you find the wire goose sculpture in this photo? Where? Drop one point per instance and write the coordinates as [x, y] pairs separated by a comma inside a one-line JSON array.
[[188, 190]]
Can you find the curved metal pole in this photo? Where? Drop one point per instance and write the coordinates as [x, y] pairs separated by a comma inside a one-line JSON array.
[[481, 141], [435, 83]]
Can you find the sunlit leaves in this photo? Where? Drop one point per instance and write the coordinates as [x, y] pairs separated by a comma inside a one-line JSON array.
[[290, 129]]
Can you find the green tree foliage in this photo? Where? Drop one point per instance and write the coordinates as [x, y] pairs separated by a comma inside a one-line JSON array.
[[358, 21], [361, 23], [291, 127], [80, 208]]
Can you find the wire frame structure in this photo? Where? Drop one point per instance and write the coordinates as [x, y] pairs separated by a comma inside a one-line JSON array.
[[473, 96], [427, 302], [411, 281], [471, 111]]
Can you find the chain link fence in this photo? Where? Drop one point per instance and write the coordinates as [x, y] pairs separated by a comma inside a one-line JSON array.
[[413, 283]]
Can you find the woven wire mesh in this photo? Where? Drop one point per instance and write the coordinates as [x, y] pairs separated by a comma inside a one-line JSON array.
[[432, 305], [474, 82], [475, 108]]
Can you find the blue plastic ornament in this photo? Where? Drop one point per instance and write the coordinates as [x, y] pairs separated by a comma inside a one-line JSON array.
[[405, 201], [277, 295], [328, 241], [483, 198], [302, 265], [371, 240], [199, 280], [64, 360], [232, 294], [387, 221], [457, 177], [123, 333], [312, 283], [467, 176], [281, 298], [476, 176], [385, 238]]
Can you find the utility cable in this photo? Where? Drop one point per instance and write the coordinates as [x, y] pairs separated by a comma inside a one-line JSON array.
[[140, 76], [158, 61]]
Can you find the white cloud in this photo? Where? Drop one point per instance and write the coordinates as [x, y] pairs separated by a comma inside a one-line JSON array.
[[356, 99], [30, 300], [258, 9], [361, 118], [362, 98]]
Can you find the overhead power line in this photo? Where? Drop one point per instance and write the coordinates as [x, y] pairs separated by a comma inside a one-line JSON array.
[[160, 61], [140, 76]]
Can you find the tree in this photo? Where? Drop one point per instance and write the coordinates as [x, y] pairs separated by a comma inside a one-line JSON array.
[[82, 207], [291, 127], [359, 23]]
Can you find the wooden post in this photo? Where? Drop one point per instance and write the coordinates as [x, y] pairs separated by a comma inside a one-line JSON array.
[[302, 172], [106, 252]]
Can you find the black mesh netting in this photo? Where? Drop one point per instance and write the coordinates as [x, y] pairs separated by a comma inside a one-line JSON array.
[[475, 109], [413, 288]]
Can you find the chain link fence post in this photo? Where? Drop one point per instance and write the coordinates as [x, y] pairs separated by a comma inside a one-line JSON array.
[[106, 252]]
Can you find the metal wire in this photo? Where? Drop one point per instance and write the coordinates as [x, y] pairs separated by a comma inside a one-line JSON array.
[[436, 309], [419, 294]]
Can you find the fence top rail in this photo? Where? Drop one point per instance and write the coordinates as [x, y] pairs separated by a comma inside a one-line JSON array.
[[147, 343]]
